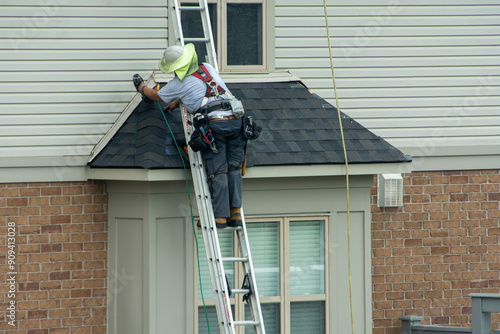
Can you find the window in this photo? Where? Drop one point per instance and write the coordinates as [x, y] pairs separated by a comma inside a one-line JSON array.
[[240, 25], [290, 260]]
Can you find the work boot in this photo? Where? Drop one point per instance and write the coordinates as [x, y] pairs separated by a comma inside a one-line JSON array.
[[235, 219], [221, 222]]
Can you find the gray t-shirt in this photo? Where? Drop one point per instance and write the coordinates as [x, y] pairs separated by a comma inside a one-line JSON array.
[[191, 90]]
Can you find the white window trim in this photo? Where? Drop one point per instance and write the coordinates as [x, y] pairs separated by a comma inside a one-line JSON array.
[[221, 48], [285, 299]]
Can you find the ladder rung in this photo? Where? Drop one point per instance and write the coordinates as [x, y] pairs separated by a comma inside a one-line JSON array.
[[235, 259], [246, 323], [231, 228], [194, 40], [240, 290], [191, 8]]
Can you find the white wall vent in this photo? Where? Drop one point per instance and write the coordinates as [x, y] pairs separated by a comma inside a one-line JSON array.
[[389, 190]]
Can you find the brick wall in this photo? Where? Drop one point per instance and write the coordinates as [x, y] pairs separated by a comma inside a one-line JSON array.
[[60, 257], [442, 245]]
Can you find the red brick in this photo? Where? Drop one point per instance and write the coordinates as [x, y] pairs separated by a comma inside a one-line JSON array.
[[73, 190], [81, 293], [459, 197], [459, 179], [29, 286], [413, 242], [51, 210], [51, 247], [60, 219], [38, 314], [60, 200], [9, 192], [94, 189], [51, 191], [494, 197], [63, 275], [81, 199], [17, 201], [491, 188]]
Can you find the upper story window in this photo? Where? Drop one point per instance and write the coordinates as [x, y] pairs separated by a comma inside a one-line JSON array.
[[240, 33]]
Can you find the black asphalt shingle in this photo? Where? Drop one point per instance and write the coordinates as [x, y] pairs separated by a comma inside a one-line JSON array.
[[298, 128]]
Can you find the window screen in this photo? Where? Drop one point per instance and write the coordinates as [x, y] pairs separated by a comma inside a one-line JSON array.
[[264, 241], [307, 257], [244, 34], [226, 245]]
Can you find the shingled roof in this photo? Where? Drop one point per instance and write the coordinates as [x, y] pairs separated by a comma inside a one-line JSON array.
[[299, 128]]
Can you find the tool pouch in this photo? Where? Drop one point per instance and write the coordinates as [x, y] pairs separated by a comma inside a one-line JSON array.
[[251, 130], [200, 120], [237, 107], [196, 142]]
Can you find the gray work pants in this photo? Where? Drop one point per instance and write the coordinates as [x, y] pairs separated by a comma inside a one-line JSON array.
[[223, 168]]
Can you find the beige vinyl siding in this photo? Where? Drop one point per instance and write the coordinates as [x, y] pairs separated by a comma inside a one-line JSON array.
[[66, 69], [425, 75]]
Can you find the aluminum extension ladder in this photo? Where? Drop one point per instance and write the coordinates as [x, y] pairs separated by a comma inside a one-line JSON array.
[[221, 291]]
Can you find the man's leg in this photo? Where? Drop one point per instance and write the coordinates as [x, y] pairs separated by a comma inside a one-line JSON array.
[[216, 169], [235, 157]]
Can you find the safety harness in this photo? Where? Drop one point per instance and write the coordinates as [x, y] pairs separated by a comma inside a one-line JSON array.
[[202, 136], [213, 89]]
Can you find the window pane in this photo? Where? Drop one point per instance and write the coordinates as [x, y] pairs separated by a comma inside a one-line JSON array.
[[307, 318], [193, 28], [226, 245], [271, 315], [244, 34], [213, 322], [264, 240], [307, 257]]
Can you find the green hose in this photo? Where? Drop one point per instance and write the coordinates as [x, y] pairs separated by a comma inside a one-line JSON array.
[[191, 210]]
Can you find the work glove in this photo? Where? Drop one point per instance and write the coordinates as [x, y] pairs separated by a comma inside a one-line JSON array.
[[137, 80]]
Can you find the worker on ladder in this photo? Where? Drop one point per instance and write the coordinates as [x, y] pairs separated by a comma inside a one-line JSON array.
[[204, 94]]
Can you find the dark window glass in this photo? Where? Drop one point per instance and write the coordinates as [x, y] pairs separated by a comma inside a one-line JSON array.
[[193, 28], [244, 34]]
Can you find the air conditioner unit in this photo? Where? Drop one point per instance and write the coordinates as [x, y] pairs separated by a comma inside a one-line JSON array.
[[389, 190]]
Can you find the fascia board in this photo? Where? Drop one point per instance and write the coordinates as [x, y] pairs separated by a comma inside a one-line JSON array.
[[44, 161], [253, 172], [43, 174]]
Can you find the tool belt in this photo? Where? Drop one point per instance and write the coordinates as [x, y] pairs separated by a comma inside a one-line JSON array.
[[214, 106], [234, 105], [214, 90]]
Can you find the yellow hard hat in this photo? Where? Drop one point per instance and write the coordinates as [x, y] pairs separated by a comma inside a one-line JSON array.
[[181, 60]]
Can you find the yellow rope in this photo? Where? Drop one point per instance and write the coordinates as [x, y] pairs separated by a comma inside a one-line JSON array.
[[346, 167]]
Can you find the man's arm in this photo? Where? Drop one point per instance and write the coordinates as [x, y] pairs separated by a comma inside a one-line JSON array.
[[149, 92]]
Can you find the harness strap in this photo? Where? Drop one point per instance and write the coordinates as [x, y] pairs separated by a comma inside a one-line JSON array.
[[213, 89]]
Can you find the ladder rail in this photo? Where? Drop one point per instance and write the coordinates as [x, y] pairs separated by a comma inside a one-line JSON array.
[[207, 28], [215, 260], [173, 4], [254, 302], [210, 235]]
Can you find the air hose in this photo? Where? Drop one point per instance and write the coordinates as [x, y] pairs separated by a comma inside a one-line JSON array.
[[191, 212]]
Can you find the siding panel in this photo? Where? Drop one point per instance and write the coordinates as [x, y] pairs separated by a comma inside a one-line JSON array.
[[426, 70], [67, 68]]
